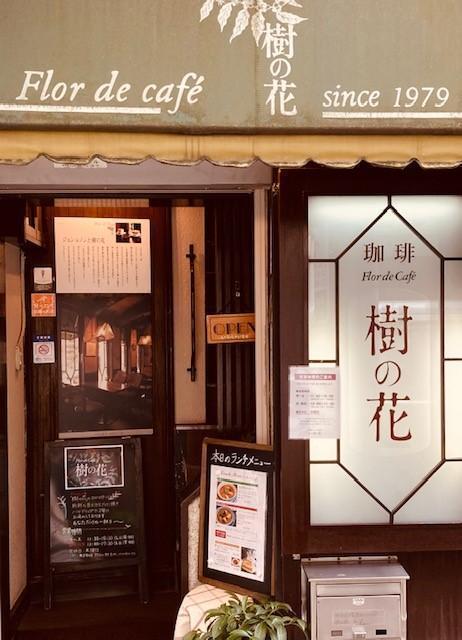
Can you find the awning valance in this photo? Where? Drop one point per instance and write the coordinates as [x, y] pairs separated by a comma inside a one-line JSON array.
[[22, 147]]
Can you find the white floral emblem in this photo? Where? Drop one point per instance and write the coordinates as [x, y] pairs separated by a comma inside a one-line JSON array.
[[253, 12], [273, 28]]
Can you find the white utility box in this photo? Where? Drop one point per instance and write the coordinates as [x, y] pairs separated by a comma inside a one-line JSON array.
[[354, 598]]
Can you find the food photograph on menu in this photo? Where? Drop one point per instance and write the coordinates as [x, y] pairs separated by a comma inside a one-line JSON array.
[[105, 355]]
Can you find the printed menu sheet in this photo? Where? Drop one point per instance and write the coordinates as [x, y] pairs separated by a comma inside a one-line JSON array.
[[102, 255], [237, 521]]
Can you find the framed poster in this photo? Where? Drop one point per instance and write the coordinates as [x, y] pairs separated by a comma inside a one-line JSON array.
[[94, 507], [236, 532], [103, 284], [105, 357]]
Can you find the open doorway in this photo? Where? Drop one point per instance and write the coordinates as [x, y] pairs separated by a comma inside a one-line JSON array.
[[116, 371]]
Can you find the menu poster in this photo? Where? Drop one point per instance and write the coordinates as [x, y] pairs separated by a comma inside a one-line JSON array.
[[102, 255], [236, 516], [95, 513]]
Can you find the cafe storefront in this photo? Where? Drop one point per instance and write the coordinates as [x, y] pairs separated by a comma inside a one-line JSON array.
[[290, 167]]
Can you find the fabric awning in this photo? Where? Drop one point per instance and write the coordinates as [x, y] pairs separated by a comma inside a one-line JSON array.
[[22, 147]]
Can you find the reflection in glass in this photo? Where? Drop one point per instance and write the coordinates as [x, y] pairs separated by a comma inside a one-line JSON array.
[[337, 499], [323, 449], [453, 309], [437, 218], [453, 409], [437, 501], [335, 221], [321, 319]]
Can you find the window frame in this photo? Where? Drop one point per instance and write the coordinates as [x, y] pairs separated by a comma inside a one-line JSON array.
[[291, 345]]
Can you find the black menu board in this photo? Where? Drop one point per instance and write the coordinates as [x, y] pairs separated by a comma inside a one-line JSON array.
[[95, 505], [236, 532]]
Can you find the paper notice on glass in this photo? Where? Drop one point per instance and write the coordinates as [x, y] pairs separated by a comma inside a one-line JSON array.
[[102, 255], [314, 403], [237, 522]]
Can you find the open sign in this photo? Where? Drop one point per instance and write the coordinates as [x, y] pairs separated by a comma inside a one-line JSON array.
[[234, 327]]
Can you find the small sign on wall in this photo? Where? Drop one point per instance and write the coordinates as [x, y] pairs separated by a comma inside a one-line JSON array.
[[231, 327], [43, 350], [43, 305], [43, 279]]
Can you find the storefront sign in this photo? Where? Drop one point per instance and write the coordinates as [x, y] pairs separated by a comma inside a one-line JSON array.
[[236, 501], [240, 65], [384, 303], [390, 353], [43, 305], [43, 350], [314, 404], [235, 327]]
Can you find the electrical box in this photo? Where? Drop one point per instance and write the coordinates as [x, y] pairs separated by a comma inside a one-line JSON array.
[[354, 598]]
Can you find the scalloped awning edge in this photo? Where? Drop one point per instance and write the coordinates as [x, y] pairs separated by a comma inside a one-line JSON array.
[[80, 147]]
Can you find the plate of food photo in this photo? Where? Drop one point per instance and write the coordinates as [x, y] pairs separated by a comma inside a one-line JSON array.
[[226, 516], [248, 564], [227, 491]]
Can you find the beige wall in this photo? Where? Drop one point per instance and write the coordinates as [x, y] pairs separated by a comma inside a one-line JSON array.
[[16, 425], [188, 228]]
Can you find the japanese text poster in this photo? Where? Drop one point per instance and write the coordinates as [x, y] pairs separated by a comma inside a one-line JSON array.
[[314, 407], [102, 255]]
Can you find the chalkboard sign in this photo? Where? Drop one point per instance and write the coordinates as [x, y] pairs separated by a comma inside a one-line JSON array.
[[94, 515], [236, 532]]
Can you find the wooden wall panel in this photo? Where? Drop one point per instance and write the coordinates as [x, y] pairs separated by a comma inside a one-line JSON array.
[[15, 318], [4, 524], [158, 448], [229, 228]]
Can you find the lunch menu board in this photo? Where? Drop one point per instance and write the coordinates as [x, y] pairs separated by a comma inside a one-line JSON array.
[[95, 502], [236, 516]]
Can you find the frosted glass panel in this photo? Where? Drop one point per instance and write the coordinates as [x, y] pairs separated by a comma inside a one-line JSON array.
[[321, 317], [389, 337], [453, 309], [323, 449], [453, 389], [389, 316], [437, 218], [337, 499], [438, 501], [335, 221]]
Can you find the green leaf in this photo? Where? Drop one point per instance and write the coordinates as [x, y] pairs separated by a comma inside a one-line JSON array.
[[218, 627], [281, 632], [239, 633], [260, 631]]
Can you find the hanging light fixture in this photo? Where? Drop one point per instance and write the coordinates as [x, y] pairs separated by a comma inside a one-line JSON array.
[[145, 341], [105, 332]]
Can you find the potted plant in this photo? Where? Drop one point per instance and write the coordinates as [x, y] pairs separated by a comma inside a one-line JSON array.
[[245, 618]]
